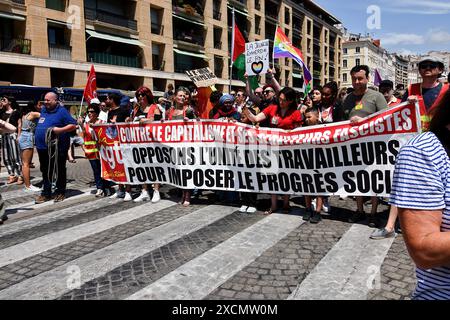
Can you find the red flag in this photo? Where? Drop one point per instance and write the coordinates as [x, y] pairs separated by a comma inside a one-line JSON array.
[[238, 44], [90, 91]]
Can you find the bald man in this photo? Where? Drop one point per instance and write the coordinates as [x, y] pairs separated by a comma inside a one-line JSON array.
[[55, 122]]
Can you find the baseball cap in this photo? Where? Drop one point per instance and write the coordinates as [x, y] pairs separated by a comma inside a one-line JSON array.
[[432, 59], [95, 101]]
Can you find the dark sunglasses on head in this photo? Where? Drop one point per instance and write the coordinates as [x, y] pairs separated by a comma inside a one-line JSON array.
[[428, 65]]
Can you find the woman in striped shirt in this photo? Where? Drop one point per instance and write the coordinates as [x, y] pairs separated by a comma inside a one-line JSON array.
[[421, 191]]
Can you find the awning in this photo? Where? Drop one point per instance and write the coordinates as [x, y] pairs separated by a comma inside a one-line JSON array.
[[189, 20], [297, 75], [238, 11], [110, 37], [61, 23], [12, 16], [192, 54]]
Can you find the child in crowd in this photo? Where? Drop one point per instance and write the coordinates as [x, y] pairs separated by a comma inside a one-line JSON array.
[[312, 118]]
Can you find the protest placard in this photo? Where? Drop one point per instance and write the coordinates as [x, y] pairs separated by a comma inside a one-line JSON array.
[[257, 57], [203, 77]]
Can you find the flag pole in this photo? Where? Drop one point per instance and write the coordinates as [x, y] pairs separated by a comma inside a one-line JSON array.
[[232, 49], [81, 106], [273, 48]]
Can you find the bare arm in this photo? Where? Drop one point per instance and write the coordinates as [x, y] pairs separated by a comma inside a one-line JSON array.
[[260, 117], [68, 128], [427, 245], [19, 128], [272, 81], [6, 127], [253, 97]]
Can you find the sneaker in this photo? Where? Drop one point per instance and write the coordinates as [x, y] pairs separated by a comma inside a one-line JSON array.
[[156, 196], [99, 193], [356, 216], [32, 188], [243, 209], [373, 221], [142, 197], [326, 205], [308, 214], [118, 195], [59, 198], [4, 218], [382, 234], [127, 197], [316, 218], [42, 199], [251, 210]]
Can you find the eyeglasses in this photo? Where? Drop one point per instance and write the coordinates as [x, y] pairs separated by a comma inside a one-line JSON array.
[[268, 91], [240, 95], [429, 65], [3, 99], [91, 111]]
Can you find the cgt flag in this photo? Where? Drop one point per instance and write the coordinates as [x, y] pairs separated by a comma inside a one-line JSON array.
[[90, 91]]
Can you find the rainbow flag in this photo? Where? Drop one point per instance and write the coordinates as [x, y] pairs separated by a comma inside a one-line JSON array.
[[283, 48]]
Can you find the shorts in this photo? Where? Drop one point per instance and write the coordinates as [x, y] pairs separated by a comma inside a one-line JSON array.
[[77, 141], [26, 140]]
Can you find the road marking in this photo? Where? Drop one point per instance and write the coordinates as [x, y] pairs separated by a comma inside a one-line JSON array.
[[53, 216], [25, 207], [349, 270], [53, 284], [202, 275], [36, 246]]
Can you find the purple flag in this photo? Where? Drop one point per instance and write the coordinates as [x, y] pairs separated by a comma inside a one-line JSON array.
[[377, 80]]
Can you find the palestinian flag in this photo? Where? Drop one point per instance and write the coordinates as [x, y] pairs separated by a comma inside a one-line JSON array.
[[238, 57]]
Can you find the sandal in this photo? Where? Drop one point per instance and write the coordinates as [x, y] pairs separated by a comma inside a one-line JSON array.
[[269, 212], [12, 179]]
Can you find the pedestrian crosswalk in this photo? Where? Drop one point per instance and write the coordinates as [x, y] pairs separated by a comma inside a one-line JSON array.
[[94, 248]]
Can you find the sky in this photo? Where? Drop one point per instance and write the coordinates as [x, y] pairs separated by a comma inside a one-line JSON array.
[[405, 26]]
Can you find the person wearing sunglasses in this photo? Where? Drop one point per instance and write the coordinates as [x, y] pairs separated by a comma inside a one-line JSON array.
[[430, 91], [240, 100], [91, 148]]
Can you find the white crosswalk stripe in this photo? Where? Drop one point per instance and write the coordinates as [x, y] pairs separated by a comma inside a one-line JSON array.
[[347, 271]]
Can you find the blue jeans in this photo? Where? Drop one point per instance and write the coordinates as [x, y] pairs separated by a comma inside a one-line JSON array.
[[100, 183]]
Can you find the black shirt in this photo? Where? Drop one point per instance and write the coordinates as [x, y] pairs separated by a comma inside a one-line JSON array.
[[120, 113]]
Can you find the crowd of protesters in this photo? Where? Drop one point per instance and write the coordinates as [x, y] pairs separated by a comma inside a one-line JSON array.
[[420, 196]]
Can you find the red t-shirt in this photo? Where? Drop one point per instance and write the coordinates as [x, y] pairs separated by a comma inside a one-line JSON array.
[[291, 120]]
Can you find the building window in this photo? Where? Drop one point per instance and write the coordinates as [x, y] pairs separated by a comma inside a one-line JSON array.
[[157, 54], [344, 77], [344, 63], [358, 62], [309, 26], [345, 50], [358, 49], [156, 17], [59, 5], [257, 25], [287, 16]]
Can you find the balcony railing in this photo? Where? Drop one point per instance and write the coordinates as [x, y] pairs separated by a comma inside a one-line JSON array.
[[116, 60], [188, 12], [241, 3], [58, 52], [22, 46], [110, 18], [191, 39], [182, 67]]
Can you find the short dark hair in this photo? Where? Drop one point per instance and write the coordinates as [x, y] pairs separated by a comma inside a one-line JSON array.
[[115, 97], [386, 84], [312, 109], [94, 107], [359, 68]]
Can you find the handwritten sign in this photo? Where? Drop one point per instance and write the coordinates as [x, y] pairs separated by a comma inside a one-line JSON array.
[[257, 57], [202, 77]]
